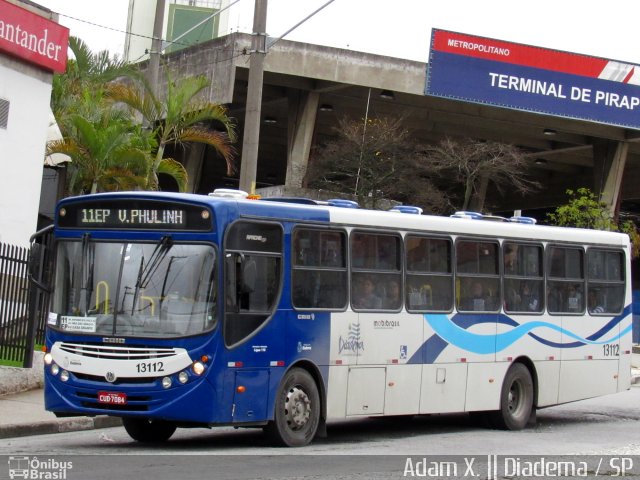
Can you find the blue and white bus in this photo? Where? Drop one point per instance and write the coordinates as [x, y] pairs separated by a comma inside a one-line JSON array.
[[178, 310]]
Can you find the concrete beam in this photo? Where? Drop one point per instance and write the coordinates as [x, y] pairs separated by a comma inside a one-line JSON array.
[[346, 66], [193, 160], [303, 107]]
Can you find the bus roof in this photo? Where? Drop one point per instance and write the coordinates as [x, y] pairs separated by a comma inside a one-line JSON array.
[[321, 212]]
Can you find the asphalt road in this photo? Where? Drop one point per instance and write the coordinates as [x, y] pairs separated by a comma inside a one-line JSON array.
[[356, 449]]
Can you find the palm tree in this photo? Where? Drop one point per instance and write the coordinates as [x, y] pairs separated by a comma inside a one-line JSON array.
[[108, 150], [108, 153], [82, 85], [177, 117]]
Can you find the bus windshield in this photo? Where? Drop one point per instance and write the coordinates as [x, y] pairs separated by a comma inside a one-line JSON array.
[[156, 289]]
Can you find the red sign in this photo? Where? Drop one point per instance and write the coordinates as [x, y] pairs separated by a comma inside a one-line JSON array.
[[32, 37], [112, 398]]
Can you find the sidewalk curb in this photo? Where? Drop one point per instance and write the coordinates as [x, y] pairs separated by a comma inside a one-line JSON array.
[[62, 425]]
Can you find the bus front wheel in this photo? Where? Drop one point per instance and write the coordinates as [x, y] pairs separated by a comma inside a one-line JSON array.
[[297, 410], [148, 431], [516, 399]]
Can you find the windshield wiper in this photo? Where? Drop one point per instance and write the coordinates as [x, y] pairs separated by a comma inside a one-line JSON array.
[[145, 272], [85, 285]]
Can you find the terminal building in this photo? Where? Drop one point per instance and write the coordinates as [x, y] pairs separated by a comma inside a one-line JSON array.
[[307, 88]]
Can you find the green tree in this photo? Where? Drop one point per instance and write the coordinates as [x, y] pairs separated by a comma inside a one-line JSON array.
[[179, 115], [585, 210]]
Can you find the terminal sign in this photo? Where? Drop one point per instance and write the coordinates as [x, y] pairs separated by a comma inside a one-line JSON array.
[[523, 77]]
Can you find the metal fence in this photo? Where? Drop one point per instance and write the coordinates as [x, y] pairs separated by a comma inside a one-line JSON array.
[[14, 306], [24, 298]]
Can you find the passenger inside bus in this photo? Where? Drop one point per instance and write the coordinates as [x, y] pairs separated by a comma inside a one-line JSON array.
[[364, 294], [594, 302], [574, 298], [510, 260], [477, 299], [393, 297], [529, 298]]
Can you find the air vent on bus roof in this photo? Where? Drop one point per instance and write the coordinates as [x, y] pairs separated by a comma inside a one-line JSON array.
[[339, 202], [228, 193], [465, 214], [407, 209], [525, 220], [301, 200]]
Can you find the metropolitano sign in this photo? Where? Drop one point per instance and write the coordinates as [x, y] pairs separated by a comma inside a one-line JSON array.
[[523, 77], [33, 38]]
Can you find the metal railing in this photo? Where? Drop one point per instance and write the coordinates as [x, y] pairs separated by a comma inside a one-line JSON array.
[[14, 319], [24, 298]]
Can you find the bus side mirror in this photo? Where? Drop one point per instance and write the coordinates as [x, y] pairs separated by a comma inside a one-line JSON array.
[[40, 260]]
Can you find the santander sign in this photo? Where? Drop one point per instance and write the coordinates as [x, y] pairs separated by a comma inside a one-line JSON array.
[[33, 38]]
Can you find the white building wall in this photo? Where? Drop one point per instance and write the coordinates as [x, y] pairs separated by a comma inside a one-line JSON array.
[[140, 20], [22, 146]]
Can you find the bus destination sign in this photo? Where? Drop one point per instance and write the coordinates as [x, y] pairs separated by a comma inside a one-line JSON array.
[[134, 215]]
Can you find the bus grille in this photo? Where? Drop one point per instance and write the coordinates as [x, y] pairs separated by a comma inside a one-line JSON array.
[[116, 353], [119, 381]]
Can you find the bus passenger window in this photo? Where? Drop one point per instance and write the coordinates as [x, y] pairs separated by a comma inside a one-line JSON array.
[[523, 282], [606, 284], [376, 267], [565, 285], [478, 276], [319, 271], [429, 276]]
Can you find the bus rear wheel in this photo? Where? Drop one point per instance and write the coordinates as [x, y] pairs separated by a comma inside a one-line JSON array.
[[516, 399], [148, 431], [297, 410]]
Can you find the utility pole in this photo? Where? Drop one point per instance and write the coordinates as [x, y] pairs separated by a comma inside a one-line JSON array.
[[251, 137], [156, 47]]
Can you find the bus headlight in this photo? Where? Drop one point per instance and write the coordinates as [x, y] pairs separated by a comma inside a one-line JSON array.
[[55, 369], [183, 377], [198, 368], [166, 382], [64, 375], [48, 359]]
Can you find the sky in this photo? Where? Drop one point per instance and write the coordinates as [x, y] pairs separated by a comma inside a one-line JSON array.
[[402, 28]]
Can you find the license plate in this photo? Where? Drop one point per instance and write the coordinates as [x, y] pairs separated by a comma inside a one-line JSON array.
[[112, 398]]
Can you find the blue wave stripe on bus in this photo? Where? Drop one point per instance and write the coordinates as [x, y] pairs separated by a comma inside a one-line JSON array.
[[454, 331]]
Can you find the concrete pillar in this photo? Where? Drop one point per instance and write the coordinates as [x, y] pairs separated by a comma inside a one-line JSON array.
[[193, 159], [303, 107], [609, 161]]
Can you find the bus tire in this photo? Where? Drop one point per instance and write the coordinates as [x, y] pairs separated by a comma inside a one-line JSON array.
[[148, 431], [297, 410], [516, 399]]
